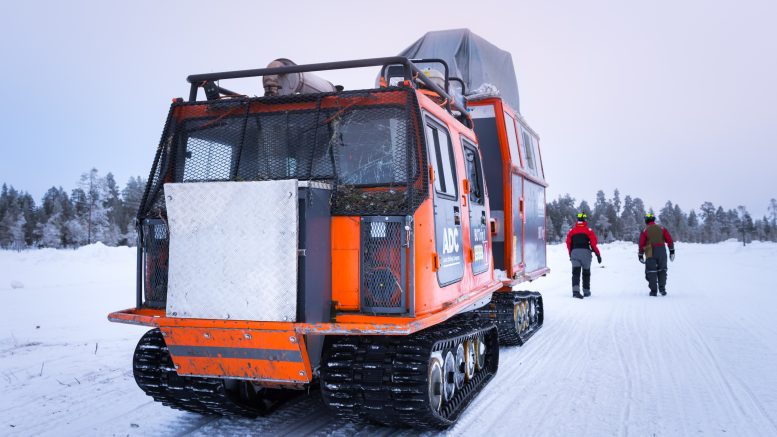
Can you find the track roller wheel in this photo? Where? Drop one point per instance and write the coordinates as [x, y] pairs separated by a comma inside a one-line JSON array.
[[470, 358], [449, 372], [460, 366], [435, 385], [480, 353]]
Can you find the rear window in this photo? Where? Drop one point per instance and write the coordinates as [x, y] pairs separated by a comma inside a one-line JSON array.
[[355, 146]]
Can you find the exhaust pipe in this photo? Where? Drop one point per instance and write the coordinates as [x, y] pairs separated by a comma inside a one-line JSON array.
[[293, 83]]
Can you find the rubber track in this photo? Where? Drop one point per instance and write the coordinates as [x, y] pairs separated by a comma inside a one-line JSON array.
[[155, 373], [384, 379], [500, 311]]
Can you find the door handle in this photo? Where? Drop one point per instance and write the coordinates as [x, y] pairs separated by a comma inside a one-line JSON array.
[[456, 216]]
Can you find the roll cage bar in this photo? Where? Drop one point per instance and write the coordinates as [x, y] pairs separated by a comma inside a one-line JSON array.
[[213, 91]]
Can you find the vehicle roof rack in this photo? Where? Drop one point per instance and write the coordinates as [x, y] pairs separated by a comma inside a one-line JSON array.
[[207, 81]]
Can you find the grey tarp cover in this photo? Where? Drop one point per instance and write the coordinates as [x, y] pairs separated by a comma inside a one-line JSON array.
[[471, 58]]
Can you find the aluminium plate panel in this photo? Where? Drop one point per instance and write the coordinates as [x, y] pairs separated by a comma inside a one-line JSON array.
[[233, 250]]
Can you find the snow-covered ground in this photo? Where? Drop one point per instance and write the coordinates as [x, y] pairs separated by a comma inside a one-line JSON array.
[[702, 360]]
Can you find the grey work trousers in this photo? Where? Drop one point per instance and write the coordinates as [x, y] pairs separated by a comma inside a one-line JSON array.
[[655, 269], [581, 263]]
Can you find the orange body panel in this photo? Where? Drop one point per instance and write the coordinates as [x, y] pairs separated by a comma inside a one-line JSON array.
[[272, 356], [345, 262]]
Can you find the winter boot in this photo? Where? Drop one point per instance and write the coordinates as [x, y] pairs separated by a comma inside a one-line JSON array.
[[577, 294], [586, 293], [653, 293], [662, 291]]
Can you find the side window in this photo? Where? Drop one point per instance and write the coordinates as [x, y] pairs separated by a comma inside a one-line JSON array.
[[512, 140], [477, 193], [528, 151], [537, 156], [441, 156]]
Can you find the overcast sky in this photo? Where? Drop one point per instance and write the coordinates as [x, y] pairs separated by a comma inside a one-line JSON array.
[[663, 99]]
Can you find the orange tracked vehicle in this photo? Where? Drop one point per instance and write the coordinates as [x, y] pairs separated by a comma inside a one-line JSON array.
[[367, 241]]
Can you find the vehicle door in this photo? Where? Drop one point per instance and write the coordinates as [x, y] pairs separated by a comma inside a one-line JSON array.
[[476, 205], [447, 207]]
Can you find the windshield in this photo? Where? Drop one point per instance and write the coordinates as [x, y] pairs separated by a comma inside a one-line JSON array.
[[358, 146]]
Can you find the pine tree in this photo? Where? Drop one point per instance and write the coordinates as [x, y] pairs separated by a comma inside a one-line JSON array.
[[550, 230], [710, 227], [92, 209], [666, 217], [14, 207], [131, 197], [614, 213], [584, 208], [693, 227], [768, 230], [566, 225], [680, 226], [598, 218]]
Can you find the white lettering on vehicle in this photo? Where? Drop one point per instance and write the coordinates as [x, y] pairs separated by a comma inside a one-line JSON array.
[[450, 240]]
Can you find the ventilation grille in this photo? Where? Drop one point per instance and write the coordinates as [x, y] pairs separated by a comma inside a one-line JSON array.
[[383, 265], [156, 242]]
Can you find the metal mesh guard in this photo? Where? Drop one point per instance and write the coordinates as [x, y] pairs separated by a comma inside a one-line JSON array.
[[383, 264], [233, 250], [357, 140], [156, 242]]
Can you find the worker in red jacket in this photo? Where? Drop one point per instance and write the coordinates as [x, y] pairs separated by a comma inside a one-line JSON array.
[[652, 244], [581, 241]]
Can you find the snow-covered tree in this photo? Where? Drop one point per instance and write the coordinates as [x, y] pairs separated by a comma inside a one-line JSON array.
[[131, 197], [693, 227], [710, 227]]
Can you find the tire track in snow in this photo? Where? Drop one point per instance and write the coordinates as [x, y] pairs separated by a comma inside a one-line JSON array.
[[513, 382], [626, 374], [732, 397]]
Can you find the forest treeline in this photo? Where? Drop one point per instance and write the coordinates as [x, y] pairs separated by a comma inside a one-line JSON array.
[[99, 210], [616, 219]]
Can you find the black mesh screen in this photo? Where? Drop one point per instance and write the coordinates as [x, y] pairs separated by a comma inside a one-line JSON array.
[[155, 251], [383, 265], [368, 144]]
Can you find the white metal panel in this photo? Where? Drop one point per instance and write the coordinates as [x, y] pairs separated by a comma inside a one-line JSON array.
[[233, 250]]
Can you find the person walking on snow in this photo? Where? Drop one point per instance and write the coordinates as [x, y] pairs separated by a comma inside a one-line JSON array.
[[581, 241], [652, 253]]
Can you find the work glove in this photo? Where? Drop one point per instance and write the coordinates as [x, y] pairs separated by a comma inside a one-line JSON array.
[[641, 257], [671, 255], [598, 258]]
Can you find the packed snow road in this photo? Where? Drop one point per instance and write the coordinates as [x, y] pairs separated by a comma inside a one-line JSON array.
[[701, 360]]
